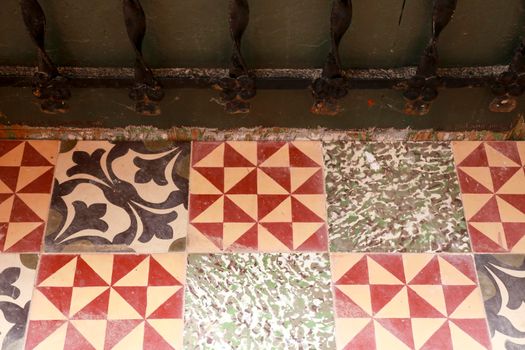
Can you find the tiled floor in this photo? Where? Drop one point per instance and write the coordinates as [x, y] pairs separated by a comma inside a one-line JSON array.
[[128, 196], [26, 176], [257, 196], [492, 178], [262, 245]]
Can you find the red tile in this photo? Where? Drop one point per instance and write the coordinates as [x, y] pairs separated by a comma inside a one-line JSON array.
[[382, 295], [478, 157], [429, 274], [469, 185], [282, 231], [124, 264], [85, 276], [232, 158], [97, 309], [248, 185], [214, 175], [266, 149], [153, 340], [508, 149], [488, 213], [346, 307], [300, 213], [40, 330], [269, 183], [279, 175], [358, 274], [299, 159], [9, 176], [87, 306], [314, 185], [441, 339], [171, 308], [365, 339], [500, 175], [421, 317], [32, 157], [233, 213], [201, 149], [158, 276]]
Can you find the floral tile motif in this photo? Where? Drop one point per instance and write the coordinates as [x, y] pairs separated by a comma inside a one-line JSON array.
[[408, 301], [126, 196], [257, 196], [108, 301], [393, 197], [259, 301], [502, 282], [26, 177], [492, 179], [17, 275]]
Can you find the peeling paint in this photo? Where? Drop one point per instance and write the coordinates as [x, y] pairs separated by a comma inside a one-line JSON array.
[[189, 133]]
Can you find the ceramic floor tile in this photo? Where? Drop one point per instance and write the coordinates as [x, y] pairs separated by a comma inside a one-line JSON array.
[[125, 196], [17, 275], [408, 301], [393, 196], [259, 301], [492, 179], [257, 196], [26, 177], [108, 302], [502, 281]]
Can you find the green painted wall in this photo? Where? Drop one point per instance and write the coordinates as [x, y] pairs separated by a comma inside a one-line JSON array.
[[282, 33]]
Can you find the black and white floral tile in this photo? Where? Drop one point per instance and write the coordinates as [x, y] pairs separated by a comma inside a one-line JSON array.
[[125, 196], [502, 281], [393, 197], [17, 274]]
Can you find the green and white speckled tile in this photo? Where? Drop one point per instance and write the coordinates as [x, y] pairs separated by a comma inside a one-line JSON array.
[[259, 301], [394, 197]]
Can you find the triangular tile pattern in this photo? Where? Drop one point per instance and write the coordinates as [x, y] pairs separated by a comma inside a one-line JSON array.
[[26, 178], [108, 301], [257, 196], [407, 301], [492, 181]]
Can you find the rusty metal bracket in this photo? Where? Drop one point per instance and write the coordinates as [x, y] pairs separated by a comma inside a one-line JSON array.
[[509, 85], [147, 91], [239, 86], [48, 85], [422, 89], [332, 85]]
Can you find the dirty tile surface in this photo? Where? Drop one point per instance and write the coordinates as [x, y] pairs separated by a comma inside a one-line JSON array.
[[108, 302], [248, 221], [17, 275], [502, 281], [26, 177], [126, 196], [259, 301], [257, 196], [393, 196], [408, 301], [492, 179]]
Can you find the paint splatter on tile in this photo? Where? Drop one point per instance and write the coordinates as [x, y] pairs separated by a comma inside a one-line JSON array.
[[17, 275], [257, 196], [108, 301], [259, 301], [408, 301], [126, 196], [492, 179], [502, 282], [26, 177], [393, 196]]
